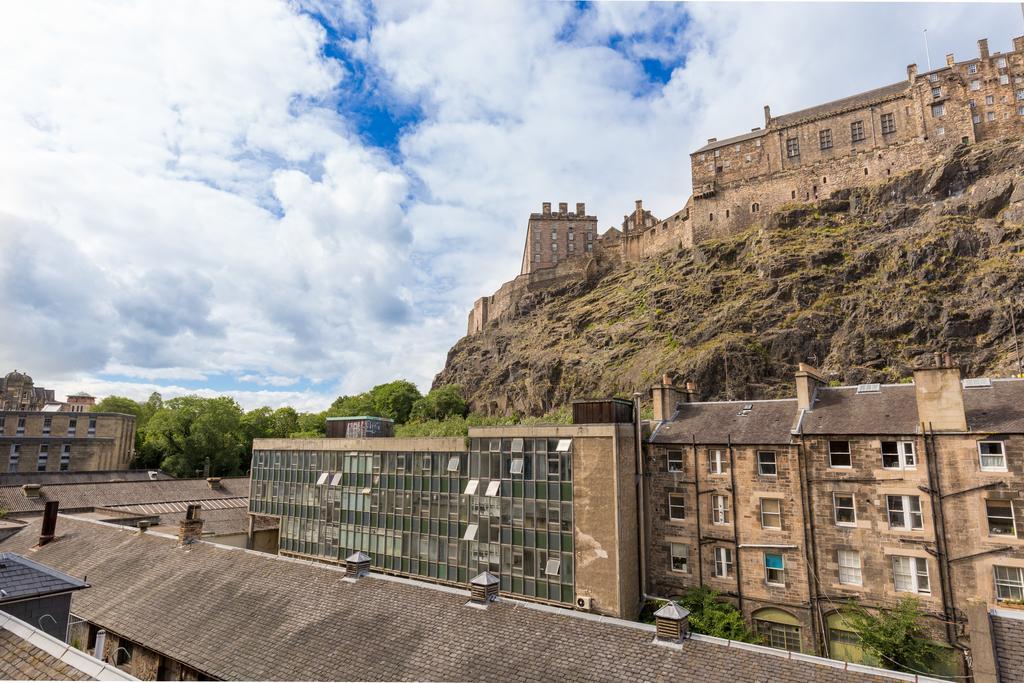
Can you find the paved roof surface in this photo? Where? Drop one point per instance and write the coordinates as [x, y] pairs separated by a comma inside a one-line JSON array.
[[21, 578], [92, 495], [18, 478], [767, 422], [28, 653], [852, 102], [263, 617]]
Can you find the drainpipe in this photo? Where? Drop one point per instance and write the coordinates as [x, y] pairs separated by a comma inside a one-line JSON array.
[[735, 525], [696, 505], [641, 519], [941, 543], [810, 551]]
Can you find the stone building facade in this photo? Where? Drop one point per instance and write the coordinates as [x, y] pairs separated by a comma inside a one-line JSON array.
[[19, 392], [554, 237], [65, 441], [792, 508]]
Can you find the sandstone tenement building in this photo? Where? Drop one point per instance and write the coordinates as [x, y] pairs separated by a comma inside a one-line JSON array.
[[19, 392], [803, 156]]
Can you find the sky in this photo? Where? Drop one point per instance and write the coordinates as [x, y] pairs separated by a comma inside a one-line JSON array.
[[288, 201]]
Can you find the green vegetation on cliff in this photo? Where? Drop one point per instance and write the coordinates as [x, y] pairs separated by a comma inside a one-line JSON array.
[[860, 284]]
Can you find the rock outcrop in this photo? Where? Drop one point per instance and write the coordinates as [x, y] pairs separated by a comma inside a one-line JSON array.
[[860, 284]]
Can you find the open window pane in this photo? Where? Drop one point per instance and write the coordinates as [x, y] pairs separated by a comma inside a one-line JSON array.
[[1000, 518]]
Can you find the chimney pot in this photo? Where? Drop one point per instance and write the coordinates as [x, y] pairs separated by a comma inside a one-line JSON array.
[[911, 72], [949, 59], [563, 207], [666, 398], [767, 115], [546, 208], [30, 490], [581, 209], [49, 527], [710, 140], [190, 529], [143, 525]]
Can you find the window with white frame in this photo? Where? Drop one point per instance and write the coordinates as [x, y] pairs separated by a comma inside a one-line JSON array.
[[676, 507], [720, 509], [888, 124], [92, 426], [839, 454], [674, 459], [972, 68], [716, 461], [938, 110], [65, 457], [976, 118], [1020, 110], [937, 92], [1001, 63], [774, 569], [1000, 516], [679, 558], [42, 458], [975, 85], [845, 508], [857, 131], [21, 426], [72, 426], [15, 456], [792, 147], [904, 512], [771, 513], [1020, 94], [767, 465], [47, 424], [990, 99], [1004, 79], [991, 456], [910, 574], [849, 568], [723, 562], [453, 463], [990, 116], [1009, 583], [898, 455]]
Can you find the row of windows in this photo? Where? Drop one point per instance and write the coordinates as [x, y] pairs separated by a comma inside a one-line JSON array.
[[19, 429], [857, 134], [42, 457], [896, 455]]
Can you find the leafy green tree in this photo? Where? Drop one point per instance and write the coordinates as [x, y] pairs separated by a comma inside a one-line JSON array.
[[895, 636], [285, 422], [393, 400], [440, 404], [188, 430], [311, 425], [348, 406], [119, 404], [711, 616]]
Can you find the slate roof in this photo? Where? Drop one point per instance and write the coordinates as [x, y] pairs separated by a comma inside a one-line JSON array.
[[852, 102], [237, 614], [752, 135], [28, 653], [720, 422], [22, 578], [79, 497], [996, 409], [19, 478], [841, 410]]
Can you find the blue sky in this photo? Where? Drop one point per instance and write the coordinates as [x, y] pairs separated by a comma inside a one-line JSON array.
[[285, 201]]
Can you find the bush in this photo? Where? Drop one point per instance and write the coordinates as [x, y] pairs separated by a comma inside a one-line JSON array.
[[709, 615], [896, 637]]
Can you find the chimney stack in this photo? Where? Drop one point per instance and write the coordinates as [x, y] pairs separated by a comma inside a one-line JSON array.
[[563, 208], [143, 525], [666, 399], [767, 115], [691, 392], [939, 394], [546, 208], [46, 533], [808, 379], [30, 490], [1018, 44], [357, 564], [911, 72], [983, 48], [949, 59], [672, 623], [710, 140], [639, 208], [483, 588], [581, 209], [213, 482], [191, 528]]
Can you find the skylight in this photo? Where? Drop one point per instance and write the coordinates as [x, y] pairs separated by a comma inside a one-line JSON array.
[[869, 388], [977, 382]]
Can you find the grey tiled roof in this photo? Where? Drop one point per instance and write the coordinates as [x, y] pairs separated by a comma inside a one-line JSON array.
[[235, 614], [852, 102], [93, 495], [996, 409], [752, 135], [44, 478], [22, 578], [841, 410], [767, 422]]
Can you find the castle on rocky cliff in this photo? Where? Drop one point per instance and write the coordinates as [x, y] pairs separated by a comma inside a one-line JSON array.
[[803, 156]]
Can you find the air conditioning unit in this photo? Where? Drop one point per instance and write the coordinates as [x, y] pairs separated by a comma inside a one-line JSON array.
[[584, 602]]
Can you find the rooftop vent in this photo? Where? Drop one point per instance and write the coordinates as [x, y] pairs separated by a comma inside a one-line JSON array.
[[153, 474], [357, 564], [483, 588], [30, 490], [143, 525], [976, 382], [745, 410], [869, 388], [213, 482], [672, 623]]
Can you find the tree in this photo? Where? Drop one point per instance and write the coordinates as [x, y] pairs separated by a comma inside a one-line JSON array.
[[188, 430], [895, 636], [710, 616], [440, 404], [393, 400], [285, 422], [119, 404], [311, 425]]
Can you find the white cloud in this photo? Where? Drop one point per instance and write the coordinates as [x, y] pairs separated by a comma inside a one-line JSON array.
[[180, 199]]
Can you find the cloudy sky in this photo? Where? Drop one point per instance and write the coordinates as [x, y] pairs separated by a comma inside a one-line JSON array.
[[285, 201]]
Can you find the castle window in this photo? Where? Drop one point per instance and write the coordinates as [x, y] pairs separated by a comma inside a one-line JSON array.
[[989, 99], [933, 78], [888, 124], [792, 147], [975, 84], [727, 213], [1001, 63], [865, 170], [972, 104], [857, 131], [938, 110], [936, 93], [825, 138], [1020, 110], [972, 68], [940, 131], [792, 195], [990, 116], [976, 118], [755, 207], [1004, 79], [824, 180], [711, 216], [748, 157]]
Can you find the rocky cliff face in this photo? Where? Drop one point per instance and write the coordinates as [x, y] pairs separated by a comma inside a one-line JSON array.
[[860, 284]]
